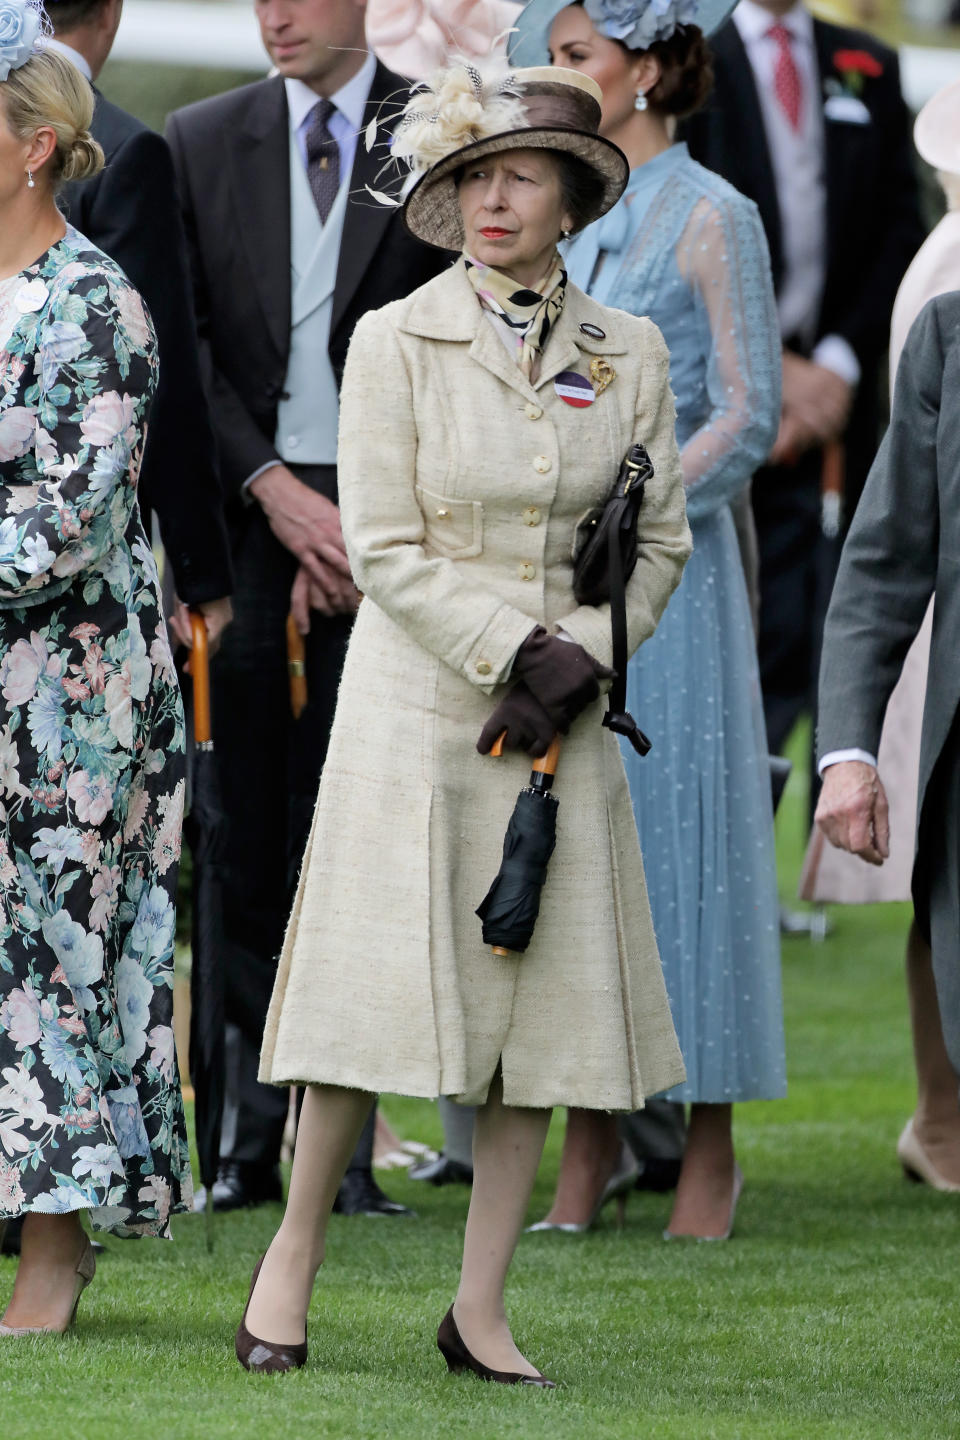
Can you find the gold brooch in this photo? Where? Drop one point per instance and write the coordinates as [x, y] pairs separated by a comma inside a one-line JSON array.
[[602, 374]]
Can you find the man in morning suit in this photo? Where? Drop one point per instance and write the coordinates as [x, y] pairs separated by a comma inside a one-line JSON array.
[[132, 212], [902, 550], [288, 251], [808, 120]]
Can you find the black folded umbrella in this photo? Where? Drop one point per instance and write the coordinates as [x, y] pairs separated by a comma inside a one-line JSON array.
[[509, 911], [206, 831]]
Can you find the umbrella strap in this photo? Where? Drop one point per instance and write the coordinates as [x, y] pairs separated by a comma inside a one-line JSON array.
[[618, 719], [524, 870]]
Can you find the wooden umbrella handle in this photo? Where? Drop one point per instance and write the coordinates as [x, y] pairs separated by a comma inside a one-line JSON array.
[[200, 671], [546, 765], [296, 668]]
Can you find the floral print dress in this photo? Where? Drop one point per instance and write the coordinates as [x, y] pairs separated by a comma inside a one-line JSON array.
[[91, 763]]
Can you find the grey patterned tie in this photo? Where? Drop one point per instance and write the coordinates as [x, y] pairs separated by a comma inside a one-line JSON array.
[[323, 158]]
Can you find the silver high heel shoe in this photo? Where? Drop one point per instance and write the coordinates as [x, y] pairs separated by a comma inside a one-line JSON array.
[[85, 1271], [617, 1188], [704, 1239]]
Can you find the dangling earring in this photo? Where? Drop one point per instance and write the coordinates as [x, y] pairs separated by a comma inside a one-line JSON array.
[[565, 234], [641, 101], [31, 183]]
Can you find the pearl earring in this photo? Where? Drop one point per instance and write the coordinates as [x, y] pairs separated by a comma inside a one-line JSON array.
[[641, 101], [565, 234], [31, 183]]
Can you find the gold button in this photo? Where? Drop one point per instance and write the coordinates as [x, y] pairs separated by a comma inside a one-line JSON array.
[[483, 667], [531, 516], [443, 514], [526, 571], [541, 464], [532, 412]]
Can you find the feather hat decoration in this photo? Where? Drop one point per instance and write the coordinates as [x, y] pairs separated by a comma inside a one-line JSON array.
[[459, 105]]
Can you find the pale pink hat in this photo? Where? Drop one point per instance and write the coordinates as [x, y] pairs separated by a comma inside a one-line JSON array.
[[415, 37], [936, 133]]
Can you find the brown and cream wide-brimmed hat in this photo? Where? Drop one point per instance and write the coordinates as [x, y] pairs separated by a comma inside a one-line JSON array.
[[463, 114]]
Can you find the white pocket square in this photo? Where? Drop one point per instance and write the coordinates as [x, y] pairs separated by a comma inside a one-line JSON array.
[[848, 109]]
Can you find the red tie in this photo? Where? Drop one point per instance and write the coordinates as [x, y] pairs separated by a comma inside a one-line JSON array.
[[786, 76]]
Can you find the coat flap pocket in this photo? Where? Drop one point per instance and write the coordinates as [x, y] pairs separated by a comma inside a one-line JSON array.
[[453, 527]]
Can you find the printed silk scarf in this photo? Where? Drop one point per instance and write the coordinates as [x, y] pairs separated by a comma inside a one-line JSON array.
[[530, 314]]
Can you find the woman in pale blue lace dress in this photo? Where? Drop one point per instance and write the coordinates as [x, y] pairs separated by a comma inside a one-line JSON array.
[[686, 249]]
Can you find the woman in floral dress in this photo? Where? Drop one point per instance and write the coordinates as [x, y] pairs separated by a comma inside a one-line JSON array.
[[91, 731]]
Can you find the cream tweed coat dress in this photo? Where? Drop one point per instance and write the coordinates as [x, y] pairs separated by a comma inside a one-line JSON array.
[[460, 487]]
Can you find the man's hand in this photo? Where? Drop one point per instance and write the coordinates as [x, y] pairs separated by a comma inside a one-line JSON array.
[[853, 812], [217, 615], [817, 398], [793, 440], [305, 523], [336, 596]]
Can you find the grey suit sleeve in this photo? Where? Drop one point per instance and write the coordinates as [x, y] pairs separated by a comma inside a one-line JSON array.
[[889, 563]]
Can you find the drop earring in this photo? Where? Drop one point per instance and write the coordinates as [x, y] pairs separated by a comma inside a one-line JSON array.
[[564, 234], [31, 183], [641, 101]]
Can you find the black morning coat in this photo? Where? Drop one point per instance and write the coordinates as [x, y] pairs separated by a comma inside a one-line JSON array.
[[873, 219], [232, 158], [131, 211]]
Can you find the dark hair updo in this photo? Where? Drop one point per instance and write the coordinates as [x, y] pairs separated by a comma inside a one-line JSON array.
[[686, 72]]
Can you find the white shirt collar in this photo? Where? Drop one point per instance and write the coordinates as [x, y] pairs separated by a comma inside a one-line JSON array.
[[753, 22], [72, 55], [350, 99]]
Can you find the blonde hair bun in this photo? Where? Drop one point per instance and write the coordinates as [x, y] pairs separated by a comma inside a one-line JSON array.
[[85, 159], [49, 92]]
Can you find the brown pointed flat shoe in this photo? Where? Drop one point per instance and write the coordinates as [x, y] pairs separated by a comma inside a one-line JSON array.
[[458, 1359], [260, 1356]]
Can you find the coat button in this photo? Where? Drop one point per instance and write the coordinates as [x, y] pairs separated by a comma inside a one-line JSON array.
[[542, 464], [531, 516], [483, 667], [526, 571], [443, 514], [532, 412]]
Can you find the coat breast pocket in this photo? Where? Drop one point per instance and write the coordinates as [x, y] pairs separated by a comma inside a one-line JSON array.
[[454, 528]]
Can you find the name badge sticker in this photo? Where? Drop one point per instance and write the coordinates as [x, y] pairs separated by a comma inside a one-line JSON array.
[[574, 389]]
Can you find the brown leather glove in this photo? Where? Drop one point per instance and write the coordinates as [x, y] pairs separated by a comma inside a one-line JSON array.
[[561, 676], [527, 724]]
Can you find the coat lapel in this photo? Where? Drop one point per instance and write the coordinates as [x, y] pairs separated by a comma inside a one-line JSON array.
[[367, 221], [259, 164], [841, 142], [749, 152]]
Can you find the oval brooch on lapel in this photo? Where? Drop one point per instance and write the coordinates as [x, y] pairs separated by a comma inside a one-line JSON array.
[[574, 389], [593, 331]]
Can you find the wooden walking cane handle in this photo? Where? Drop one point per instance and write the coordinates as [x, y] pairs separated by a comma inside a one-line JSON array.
[[200, 671], [296, 668]]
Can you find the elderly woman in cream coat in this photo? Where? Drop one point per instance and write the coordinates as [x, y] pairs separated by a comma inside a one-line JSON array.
[[463, 473]]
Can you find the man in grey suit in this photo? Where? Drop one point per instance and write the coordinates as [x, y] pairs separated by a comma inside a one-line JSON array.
[[903, 548]]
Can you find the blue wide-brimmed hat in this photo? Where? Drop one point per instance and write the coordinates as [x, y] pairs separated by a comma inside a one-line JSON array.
[[637, 23]]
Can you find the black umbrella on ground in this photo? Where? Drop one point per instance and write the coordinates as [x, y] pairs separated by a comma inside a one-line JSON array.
[[509, 911], [206, 832]]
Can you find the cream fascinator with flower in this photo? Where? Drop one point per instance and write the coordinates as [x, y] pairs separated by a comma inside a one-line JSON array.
[[467, 111]]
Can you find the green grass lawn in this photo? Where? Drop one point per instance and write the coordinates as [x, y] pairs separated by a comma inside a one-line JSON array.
[[831, 1313]]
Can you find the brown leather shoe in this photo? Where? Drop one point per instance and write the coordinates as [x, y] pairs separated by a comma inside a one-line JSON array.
[[458, 1359], [259, 1355]]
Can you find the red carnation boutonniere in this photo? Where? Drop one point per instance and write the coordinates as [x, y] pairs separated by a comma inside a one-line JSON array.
[[855, 67]]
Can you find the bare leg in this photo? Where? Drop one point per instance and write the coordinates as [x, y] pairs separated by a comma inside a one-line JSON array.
[[330, 1123], [705, 1189], [936, 1122], [43, 1292], [507, 1146], [591, 1151]]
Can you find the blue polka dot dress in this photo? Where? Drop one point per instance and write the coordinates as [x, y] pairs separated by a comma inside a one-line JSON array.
[[685, 248]]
